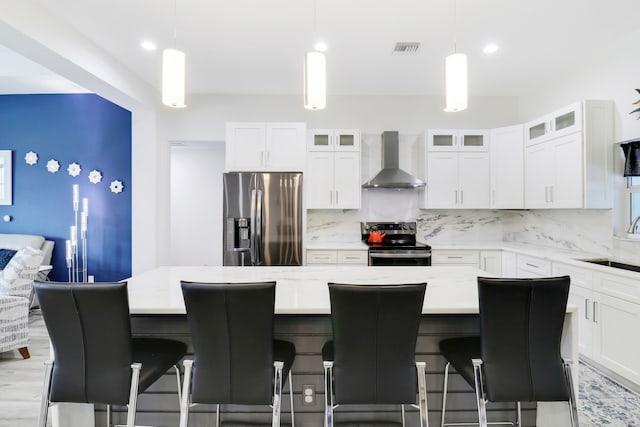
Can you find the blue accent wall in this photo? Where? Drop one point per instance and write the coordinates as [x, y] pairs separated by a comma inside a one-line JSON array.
[[81, 128]]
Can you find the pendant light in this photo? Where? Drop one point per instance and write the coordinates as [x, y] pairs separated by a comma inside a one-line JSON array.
[[173, 71], [315, 81], [315, 74], [456, 75]]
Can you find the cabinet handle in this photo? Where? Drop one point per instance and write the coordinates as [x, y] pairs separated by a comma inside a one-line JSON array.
[[456, 191], [262, 158], [352, 257], [337, 198], [551, 193], [546, 194], [532, 265], [330, 197], [461, 197], [454, 257], [586, 308], [595, 308], [268, 158]]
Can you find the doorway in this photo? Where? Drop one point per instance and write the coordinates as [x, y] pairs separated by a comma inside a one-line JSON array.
[[196, 203]]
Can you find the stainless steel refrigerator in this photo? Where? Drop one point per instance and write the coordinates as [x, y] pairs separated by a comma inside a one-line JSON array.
[[262, 218]]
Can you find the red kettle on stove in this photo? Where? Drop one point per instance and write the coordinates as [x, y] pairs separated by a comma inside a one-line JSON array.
[[376, 237]]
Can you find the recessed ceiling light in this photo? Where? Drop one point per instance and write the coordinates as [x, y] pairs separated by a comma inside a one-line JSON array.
[[148, 45], [491, 48], [320, 46]]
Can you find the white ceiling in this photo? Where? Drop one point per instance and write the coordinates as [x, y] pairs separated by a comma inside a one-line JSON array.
[[256, 46]]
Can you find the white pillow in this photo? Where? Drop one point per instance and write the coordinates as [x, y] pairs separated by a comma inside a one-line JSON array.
[[17, 277]]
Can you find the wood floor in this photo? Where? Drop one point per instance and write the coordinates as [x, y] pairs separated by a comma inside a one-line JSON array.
[[21, 384], [21, 380]]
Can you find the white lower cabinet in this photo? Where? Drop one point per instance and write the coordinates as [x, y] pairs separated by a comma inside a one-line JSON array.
[[491, 262], [528, 266], [337, 257], [607, 323], [487, 260], [468, 258]]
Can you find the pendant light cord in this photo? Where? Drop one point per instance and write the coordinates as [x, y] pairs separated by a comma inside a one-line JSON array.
[[175, 24], [455, 26], [315, 18]]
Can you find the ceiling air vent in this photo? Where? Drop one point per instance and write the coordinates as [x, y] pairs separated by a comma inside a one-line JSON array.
[[406, 48]]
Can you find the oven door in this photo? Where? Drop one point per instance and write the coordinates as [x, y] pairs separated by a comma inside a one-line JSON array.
[[399, 257]]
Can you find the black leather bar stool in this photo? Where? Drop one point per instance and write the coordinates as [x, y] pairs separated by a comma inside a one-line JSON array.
[[236, 359], [517, 356], [371, 359], [95, 358]]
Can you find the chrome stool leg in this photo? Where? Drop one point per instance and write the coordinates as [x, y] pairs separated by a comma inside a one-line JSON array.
[[445, 386], [293, 422]]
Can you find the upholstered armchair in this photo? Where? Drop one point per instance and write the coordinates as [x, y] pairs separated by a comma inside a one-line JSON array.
[[16, 283]]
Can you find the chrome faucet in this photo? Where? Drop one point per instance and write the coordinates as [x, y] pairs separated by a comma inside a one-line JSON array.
[[633, 226]]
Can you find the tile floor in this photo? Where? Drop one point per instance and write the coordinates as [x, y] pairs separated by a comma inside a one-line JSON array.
[[602, 401]]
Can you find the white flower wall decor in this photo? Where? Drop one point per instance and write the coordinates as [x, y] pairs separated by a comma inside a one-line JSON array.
[[74, 169], [95, 176], [31, 158], [53, 166], [116, 186]]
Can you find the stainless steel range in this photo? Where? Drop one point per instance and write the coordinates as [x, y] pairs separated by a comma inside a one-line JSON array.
[[394, 244]]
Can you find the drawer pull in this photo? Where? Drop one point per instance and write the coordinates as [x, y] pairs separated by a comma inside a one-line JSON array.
[[595, 308], [532, 265], [352, 257], [454, 257]]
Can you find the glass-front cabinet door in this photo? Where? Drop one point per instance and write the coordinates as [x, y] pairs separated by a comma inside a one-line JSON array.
[[473, 140], [567, 120], [333, 140], [347, 139], [320, 140], [536, 131], [457, 140], [441, 140]]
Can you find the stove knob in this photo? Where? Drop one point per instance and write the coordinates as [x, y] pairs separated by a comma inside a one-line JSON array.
[[405, 226]]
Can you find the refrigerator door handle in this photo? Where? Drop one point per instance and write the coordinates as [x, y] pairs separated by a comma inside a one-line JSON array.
[[252, 240], [259, 248]]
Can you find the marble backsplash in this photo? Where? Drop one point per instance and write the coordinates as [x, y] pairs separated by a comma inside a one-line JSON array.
[[576, 229]]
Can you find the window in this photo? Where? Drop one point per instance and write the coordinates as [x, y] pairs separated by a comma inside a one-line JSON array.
[[633, 189]]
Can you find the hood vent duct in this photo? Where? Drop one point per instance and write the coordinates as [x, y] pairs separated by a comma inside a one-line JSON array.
[[391, 176]]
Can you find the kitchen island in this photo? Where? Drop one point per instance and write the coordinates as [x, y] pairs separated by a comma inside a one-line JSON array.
[[302, 316]]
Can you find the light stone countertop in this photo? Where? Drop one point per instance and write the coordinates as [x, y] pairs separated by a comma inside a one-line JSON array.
[[567, 256], [303, 290]]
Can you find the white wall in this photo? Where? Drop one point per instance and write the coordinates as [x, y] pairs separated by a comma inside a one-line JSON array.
[[206, 115], [196, 203]]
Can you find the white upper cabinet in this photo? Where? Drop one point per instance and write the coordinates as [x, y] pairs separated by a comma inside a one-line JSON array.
[[457, 181], [553, 176], [561, 122], [571, 166], [333, 169], [265, 147], [333, 140], [506, 153], [457, 140], [455, 166]]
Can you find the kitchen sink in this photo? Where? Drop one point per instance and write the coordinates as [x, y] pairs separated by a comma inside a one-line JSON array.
[[614, 264]]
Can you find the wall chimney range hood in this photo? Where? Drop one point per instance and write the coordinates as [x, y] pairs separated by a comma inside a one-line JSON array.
[[391, 176]]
